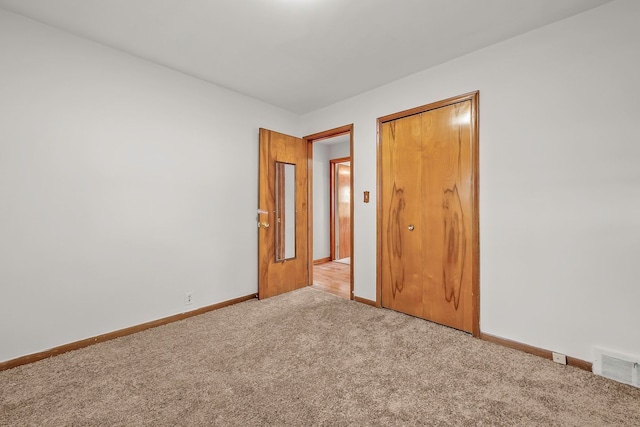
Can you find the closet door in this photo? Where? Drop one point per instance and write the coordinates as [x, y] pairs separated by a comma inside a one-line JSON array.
[[447, 195], [401, 198], [428, 222]]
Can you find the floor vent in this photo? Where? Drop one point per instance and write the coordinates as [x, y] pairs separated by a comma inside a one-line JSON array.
[[617, 366]]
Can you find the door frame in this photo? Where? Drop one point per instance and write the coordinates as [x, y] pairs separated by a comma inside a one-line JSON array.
[[474, 97], [310, 139], [332, 203]]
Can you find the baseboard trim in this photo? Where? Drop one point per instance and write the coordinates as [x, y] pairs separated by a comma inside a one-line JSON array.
[[321, 261], [547, 354], [31, 358], [365, 301]]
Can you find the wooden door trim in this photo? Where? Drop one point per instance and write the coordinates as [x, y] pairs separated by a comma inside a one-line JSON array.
[[332, 203], [474, 97], [537, 351], [310, 139], [331, 133]]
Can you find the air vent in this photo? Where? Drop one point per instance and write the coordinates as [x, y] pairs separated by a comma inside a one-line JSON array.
[[617, 366]]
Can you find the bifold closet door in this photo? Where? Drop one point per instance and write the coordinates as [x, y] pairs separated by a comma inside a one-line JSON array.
[[427, 205], [401, 163], [447, 219]]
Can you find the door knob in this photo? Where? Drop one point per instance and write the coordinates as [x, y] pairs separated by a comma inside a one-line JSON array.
[[263, 224], [411, 227]]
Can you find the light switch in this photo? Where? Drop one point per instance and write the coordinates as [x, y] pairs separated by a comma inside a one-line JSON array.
[[366, 197]]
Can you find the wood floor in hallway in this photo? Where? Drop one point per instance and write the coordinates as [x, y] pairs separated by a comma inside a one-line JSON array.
[[332, 277]]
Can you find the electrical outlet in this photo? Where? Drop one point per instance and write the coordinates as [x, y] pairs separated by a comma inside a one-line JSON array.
[[560, 358], [188, 298]]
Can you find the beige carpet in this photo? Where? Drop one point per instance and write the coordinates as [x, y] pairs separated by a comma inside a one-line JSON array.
[[307, 358]]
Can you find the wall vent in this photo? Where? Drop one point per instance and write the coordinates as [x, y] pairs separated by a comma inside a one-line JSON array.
[[617, 366]]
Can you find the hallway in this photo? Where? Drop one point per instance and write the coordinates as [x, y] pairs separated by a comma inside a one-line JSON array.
[[332, 277]]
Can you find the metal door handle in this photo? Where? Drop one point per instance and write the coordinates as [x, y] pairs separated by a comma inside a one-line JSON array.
[[263, 224], [411, 227]]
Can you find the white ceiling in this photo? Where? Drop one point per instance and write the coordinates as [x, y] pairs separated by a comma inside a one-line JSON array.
[[300, 55]]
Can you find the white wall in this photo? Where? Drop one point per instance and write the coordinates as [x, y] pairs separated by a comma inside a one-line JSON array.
[[321, 206], [123, 185], [559, 178], [340, 150]]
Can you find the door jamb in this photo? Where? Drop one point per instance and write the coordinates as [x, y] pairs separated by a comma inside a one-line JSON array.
[[474, 97], [310, 139]]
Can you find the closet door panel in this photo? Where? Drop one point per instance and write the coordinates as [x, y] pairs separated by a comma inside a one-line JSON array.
[[401, 198], [447, 194]]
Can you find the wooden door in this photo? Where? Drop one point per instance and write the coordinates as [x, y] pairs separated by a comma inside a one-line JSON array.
[[401, 167], [447, 217], [283, 257], [428, 213], [343, 204]]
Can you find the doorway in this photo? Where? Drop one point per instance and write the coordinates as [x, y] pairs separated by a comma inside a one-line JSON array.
[[331, 210], [340, 209]]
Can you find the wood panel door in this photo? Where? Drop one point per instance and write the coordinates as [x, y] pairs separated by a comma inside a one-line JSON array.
[[428, 213], [343, 208], [283, 258], [401, 263]]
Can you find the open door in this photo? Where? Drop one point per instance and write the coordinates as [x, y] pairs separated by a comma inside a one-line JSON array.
[[283, 258]]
